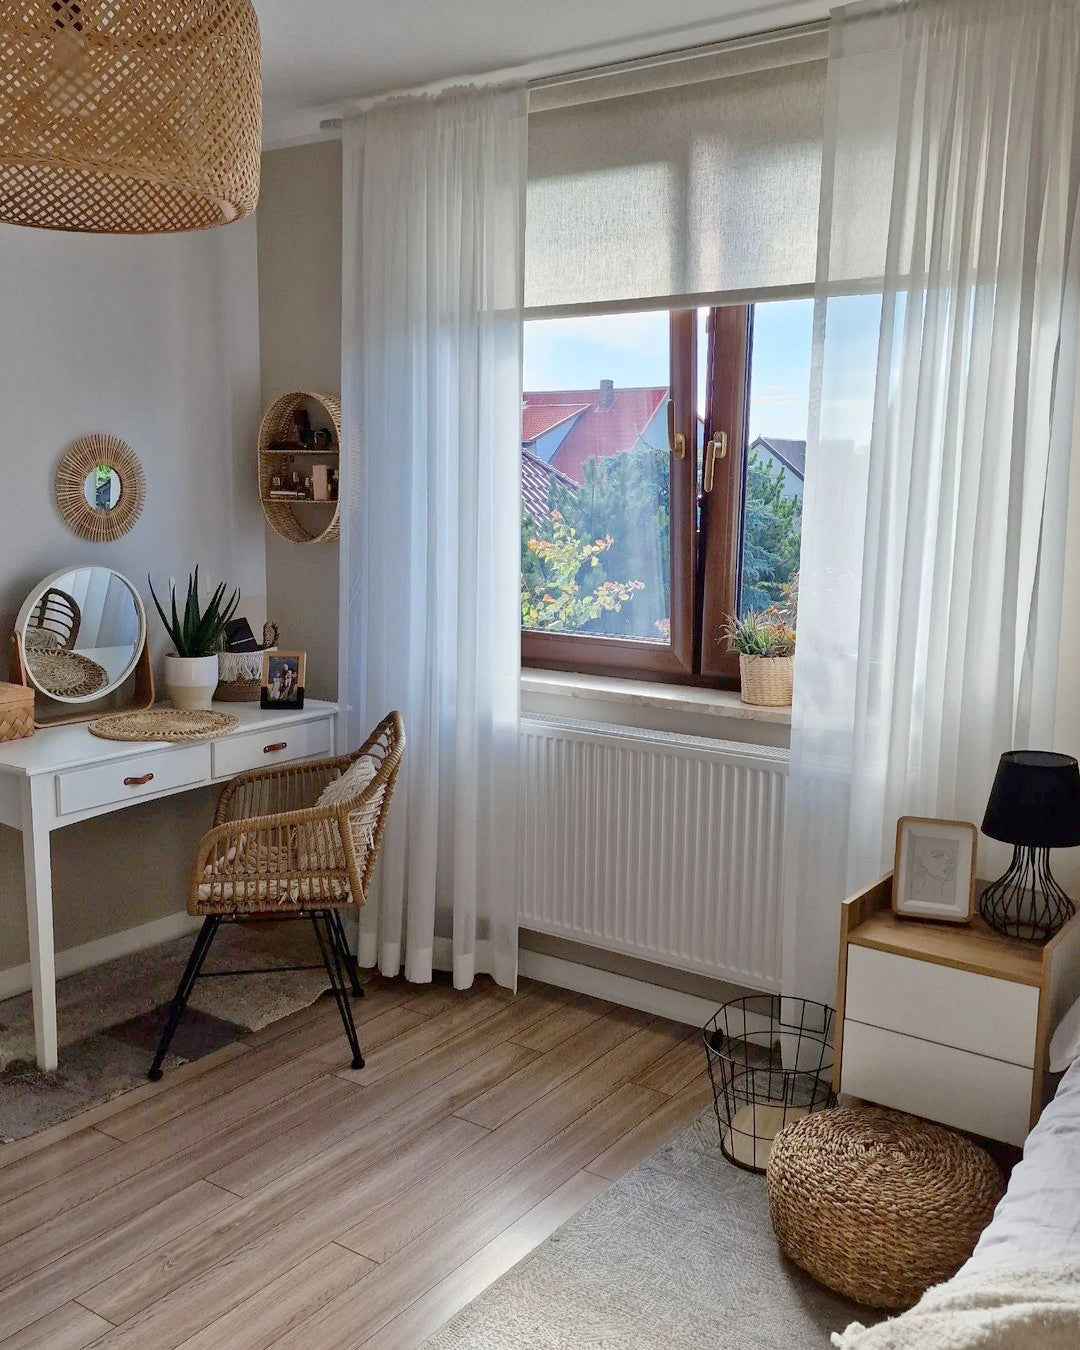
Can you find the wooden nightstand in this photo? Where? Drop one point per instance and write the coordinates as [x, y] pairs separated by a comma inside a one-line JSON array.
[[950, 1022]]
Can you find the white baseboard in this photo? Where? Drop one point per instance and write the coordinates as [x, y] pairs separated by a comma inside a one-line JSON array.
[[17, 979], [631, 993]]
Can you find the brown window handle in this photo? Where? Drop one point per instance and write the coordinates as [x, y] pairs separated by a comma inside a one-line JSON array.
[[277, 745], [139, 782]]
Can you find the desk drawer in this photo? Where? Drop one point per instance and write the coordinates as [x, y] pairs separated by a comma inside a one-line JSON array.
[[145, 775], [943, 1004], [266, 747], [968, 1092]]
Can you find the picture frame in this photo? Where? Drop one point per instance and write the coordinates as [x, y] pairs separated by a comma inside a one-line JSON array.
[[934, 870], [283, 677]]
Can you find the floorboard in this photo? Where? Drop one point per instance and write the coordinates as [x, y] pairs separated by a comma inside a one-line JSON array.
[[273, 1196]]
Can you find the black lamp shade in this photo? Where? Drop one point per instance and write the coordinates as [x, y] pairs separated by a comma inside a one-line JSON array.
[[1035, 800]]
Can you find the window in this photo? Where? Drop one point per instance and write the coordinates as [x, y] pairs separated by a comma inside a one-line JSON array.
[[662, 462]]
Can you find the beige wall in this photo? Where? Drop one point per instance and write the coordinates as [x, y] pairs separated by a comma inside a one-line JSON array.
[[299, 226], [156, 341]]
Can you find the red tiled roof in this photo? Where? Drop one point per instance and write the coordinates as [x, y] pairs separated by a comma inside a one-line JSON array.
[[536, 418], [536, 478], [598, 430]]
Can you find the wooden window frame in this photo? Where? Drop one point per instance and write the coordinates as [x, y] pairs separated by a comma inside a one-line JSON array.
[[705, 560]]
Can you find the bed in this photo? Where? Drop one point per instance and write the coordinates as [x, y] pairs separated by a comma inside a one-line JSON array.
[[1038, 1219]]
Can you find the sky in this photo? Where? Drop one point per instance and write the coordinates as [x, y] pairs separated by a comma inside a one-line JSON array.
[[632, 349]]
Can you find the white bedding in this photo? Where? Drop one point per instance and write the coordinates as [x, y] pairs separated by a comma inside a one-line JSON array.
[[1006, 1308], [1038, 1219]]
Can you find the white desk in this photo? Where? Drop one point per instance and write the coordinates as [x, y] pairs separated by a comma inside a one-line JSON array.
[[62, 775]]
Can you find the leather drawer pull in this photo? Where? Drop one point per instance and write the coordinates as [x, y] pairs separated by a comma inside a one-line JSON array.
[[277, 745], [139, 782]]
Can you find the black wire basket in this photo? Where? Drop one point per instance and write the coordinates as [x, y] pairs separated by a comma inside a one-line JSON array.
[[770, 1062]]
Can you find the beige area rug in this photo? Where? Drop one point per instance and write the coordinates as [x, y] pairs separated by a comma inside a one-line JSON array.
[[678, 1255], [110, 1018]]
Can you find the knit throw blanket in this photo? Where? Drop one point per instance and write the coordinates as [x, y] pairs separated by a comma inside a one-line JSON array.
[[1021, 1307]]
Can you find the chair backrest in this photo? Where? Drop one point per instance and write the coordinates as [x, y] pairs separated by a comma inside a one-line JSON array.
[[59, 613], [367, 811]]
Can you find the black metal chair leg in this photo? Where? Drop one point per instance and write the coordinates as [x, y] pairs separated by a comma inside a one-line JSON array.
[[183, 992], [328, 947], [348, 961]]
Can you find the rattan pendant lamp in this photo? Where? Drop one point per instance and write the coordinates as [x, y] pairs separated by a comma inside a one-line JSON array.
[[129, 116]]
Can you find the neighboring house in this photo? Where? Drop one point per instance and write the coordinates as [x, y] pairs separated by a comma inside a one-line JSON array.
[[536, 480], [790, 455], [544, 426], [566, 427]]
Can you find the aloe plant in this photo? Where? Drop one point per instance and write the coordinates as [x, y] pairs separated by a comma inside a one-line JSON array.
[[200, 631]]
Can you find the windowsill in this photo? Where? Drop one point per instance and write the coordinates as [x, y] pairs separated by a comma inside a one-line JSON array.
[[670, 697]]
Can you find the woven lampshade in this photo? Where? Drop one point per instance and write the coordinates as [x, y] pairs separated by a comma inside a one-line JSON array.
[[129, 116]]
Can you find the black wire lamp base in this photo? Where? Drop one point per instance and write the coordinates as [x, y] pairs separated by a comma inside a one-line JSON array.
[[1026, 901]]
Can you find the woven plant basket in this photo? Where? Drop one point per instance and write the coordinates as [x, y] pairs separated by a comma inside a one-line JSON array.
[[766, 680], [129, 119], [879, 1205]]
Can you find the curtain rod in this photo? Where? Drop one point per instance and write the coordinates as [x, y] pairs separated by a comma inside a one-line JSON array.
[[599, 71]]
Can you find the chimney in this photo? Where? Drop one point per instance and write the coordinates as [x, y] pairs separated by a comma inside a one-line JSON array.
[[607, 394]]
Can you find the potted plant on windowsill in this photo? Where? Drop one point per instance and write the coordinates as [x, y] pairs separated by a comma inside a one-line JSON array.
[[765, 641], [191, 672]]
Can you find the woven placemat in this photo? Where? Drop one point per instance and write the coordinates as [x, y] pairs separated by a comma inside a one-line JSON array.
[[163, 724], [66, 673]]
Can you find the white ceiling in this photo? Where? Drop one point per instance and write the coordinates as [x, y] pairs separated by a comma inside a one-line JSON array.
[[318, 55]]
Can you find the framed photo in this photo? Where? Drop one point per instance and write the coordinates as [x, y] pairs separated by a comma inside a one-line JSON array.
[[283, 675], [934, 875]]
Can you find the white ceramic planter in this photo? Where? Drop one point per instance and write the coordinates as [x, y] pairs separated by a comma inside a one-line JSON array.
[[191, 680]]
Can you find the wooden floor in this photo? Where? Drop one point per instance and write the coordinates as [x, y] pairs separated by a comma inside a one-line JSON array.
[[271, 1196]]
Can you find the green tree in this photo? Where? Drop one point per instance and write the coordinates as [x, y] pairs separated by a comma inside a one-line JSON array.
[[773, 525], [562, 587], [623, 502]]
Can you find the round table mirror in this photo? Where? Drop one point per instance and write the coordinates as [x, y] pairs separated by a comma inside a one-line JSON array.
[[102, 488], [81, 632]]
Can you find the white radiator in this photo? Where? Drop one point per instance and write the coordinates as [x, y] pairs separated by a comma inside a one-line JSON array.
[[664, 847]]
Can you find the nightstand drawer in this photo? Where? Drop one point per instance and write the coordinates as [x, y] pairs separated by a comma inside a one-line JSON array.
[[942, 1004], [969, 1092]]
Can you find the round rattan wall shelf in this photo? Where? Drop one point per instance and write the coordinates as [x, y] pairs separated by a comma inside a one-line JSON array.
[[100, 487], [280, 452]]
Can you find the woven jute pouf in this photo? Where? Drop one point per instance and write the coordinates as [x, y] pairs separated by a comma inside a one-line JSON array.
[[876, 1204]]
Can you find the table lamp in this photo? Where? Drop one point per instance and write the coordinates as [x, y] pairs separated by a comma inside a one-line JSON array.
[[1035, 806]]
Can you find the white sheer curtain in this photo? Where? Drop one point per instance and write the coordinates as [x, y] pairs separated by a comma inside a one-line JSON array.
[[433, 223], [936, 486]]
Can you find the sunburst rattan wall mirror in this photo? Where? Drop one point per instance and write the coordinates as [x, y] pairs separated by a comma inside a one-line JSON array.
[[100, 488]]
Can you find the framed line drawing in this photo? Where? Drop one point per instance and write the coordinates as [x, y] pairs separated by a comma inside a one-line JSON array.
[[934, 871]]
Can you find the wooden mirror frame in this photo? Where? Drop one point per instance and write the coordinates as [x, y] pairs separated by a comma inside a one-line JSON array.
[[76, 464]]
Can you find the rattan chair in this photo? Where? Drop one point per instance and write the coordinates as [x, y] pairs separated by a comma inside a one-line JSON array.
[[295, 842], [58, 613]]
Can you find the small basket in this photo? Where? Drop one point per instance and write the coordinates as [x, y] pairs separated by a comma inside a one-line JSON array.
[[770, 1063], [240, 673], [766, 681], [16, 712]]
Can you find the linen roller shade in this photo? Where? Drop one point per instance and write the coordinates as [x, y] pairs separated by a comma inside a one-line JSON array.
[[697, 177]]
